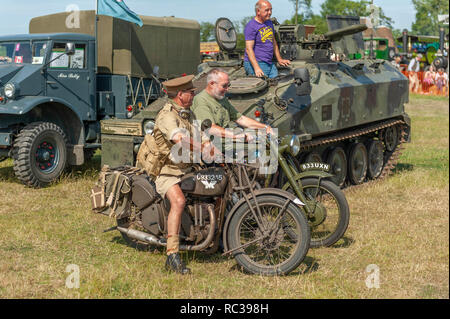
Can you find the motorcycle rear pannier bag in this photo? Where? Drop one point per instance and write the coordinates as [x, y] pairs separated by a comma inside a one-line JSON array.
[[143, 192]]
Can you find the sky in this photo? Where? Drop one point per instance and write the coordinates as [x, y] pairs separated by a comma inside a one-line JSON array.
[[17, 14]]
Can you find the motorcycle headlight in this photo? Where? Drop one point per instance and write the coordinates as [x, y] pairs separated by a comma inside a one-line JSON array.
[[149, 126], [294, 145], [10, 90]]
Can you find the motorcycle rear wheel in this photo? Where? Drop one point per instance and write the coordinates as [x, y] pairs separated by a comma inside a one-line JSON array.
[[278, 254]]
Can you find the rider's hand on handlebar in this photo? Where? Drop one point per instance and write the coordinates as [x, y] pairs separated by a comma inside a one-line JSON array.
[[269, 130], [247, 137]]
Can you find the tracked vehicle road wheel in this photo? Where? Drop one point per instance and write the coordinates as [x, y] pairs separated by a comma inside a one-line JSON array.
[[312, 157], [391, 138], [375, 159], [338, 162], [357, 163], [40, 154]]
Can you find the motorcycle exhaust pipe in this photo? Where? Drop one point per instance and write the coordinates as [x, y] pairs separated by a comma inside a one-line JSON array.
[[209, 237], [139, 235], [151, 239]]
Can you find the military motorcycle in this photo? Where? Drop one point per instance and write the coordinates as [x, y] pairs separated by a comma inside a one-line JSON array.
[[265, 230], [325, 204]]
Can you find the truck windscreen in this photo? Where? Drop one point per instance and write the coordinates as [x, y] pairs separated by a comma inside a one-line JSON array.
[[22, 52]]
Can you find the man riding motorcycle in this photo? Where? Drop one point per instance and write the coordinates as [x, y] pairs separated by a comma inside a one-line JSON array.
[[174, 126]]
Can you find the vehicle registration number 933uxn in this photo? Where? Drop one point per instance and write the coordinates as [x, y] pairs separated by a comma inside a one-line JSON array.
[[315, 166]]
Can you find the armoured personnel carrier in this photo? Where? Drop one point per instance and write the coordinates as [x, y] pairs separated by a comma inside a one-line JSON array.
[[348, 113]]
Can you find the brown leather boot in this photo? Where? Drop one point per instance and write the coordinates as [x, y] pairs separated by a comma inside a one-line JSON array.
[[174, 263]]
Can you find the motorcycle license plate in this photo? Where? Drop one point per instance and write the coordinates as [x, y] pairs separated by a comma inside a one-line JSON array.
[[315, 166]]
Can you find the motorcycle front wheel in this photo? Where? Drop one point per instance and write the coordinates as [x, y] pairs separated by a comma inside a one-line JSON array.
[[331, 214], [268, 247]]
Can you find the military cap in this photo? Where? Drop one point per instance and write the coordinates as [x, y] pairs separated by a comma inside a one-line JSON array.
[[179, 84]]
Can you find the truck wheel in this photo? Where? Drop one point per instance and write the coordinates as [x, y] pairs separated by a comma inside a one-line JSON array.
[[40, 154]]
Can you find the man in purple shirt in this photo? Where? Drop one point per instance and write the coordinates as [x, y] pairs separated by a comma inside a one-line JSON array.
[[260, 43]]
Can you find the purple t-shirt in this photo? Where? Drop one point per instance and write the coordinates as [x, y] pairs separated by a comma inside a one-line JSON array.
[[263, 35]]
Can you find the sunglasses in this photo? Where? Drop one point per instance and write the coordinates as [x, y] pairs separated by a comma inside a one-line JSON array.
[[225, 86]]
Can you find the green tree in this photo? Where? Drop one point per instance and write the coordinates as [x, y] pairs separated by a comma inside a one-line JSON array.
[[317, 20], [351, 8], [304, 6], [207, 31], [427, 16], [240, 27], [397, 33], [333, 7]]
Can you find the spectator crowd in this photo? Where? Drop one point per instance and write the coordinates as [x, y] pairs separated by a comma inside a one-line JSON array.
[[430, 81]]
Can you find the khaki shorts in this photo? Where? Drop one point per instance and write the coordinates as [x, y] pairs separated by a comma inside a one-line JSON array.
[[165, 182]]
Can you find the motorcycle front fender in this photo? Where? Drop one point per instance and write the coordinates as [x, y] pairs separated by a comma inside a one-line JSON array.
[[308, 174], [312, 173]]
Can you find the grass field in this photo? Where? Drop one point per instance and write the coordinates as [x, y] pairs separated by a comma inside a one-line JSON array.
[[400, 225]]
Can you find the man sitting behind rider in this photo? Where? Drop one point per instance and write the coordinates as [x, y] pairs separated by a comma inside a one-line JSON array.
[[174, 125], [212, 104]]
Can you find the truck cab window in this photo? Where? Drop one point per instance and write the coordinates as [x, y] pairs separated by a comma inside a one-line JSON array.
[[39, 51], [76, 61], [6, 52], [22, 53]]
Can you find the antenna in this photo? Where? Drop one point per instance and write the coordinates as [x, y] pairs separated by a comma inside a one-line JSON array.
[[375, 21], [374, 14]]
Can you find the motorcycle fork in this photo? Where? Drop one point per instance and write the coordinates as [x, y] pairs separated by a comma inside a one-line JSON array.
[[256, 214], [296, 185]]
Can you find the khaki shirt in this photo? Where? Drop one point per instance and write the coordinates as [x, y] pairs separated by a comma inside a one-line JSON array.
[[168, 124], [220, 112]]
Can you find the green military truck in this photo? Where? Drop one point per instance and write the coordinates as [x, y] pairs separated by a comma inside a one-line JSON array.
[[57, 83]]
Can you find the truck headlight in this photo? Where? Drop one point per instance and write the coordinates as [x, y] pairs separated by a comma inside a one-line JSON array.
[[294, 145], [10, 90], [149, 126]]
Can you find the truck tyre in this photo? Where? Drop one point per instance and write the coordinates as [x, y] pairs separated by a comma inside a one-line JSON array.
[[40, 154]]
